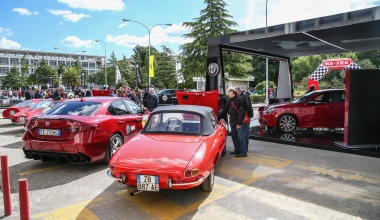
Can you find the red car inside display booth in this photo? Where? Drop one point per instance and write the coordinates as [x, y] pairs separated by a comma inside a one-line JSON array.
[[177, 149], [11, 111], [83, 130], [318, 109]]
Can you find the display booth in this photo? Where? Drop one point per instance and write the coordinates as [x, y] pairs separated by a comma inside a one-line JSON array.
[[327, 66]]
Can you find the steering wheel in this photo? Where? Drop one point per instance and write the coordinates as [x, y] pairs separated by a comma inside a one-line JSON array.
[[173, 126]]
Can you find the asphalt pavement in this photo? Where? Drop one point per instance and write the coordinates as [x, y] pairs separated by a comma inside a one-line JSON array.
[[274, 182]]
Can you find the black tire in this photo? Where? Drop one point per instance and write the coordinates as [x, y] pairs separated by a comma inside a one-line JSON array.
[[287, 123], [110, 146], [208, 184], [224, 150]]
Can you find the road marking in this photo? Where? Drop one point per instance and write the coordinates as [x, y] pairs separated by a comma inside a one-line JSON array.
[[333, 173], [265, 160], [75, 211], [217, 212], [39, 170]]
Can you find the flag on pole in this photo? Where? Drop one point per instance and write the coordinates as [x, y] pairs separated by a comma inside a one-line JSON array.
[[138, 74], [118, 75], [151, 66], [180, 78]]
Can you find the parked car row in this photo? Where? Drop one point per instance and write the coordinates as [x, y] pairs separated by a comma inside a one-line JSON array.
[[173, 147]]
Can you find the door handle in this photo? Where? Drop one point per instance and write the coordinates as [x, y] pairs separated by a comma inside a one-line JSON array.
[[121, 122]]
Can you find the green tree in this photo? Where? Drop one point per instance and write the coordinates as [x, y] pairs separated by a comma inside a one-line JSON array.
[[43, 72], [373, 56], [121, 83], [237, 65], [12, 79], [214, 20], [165, 72], [71, 76], [259, 71], [261, 86], [24, 71], [366, 64]]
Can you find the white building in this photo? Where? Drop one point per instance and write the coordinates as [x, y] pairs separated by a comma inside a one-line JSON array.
[[10, 58], [229, 82]]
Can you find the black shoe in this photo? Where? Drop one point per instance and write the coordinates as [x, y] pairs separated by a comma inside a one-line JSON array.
[[234, 152], [241, 155]]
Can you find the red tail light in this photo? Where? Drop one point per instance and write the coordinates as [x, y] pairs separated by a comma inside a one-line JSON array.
[[82, 127]]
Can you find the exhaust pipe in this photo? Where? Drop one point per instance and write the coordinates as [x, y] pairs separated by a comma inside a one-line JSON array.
[[71, 158], [76, 158], [135, 192]]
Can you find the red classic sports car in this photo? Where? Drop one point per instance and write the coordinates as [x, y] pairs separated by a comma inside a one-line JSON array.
[[9, 112], [36, 110], [177, 149], [82, 130], [318, 109]]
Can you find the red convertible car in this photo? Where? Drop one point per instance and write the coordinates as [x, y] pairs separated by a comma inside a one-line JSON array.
[[318, 109], [36, 110], [177, 149], [83, 130], [9, 112]]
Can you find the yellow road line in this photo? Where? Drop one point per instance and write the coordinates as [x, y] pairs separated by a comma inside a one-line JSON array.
[[334, 173], [39, 170], [234, 172], [265, 160], [75, 211]]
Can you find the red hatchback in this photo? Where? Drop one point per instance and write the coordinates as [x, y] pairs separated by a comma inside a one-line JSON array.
[[9, 112], [83, 130], [318, 109]]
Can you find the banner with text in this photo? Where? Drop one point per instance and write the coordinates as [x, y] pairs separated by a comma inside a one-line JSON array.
[[151, 66]]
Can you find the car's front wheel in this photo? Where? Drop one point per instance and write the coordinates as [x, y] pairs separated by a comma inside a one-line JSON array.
[[287, 123], [114, 144], [208, 184]]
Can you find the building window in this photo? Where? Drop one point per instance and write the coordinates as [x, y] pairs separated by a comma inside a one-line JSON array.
[[4, 69], [35, 62], [14, 61], [4, 61], [92, 65], [68, 63], [52, 63], [81, 58], [61, 63], [84, 64]]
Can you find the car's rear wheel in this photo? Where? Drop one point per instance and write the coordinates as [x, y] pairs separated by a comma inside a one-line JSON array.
[[224, 150], [287, 123], [114, 144], [208, 184]]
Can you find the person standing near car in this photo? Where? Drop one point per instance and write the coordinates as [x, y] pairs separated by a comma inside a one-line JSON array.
[[57, 92], [248, 109], [152, 101], [236, 110]]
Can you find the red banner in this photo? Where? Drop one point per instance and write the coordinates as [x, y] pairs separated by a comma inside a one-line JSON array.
[[337, 64]]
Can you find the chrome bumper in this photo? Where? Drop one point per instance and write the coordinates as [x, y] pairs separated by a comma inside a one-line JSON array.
[[191, 183]]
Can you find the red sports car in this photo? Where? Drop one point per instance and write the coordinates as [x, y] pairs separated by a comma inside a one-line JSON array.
[[318, 109], [9, 112], [36, 110], [177, 149], [83, 130]]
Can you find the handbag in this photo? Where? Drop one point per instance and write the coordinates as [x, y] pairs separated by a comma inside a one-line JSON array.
[[246, 118]]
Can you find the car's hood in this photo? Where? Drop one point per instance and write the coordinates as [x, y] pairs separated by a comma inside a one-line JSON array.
[[283, 104], [158, 152]]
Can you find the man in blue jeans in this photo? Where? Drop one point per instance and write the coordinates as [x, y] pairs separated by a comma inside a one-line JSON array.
[[236, 110], [248, 109]]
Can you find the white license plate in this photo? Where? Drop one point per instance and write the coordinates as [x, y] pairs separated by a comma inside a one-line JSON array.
[[21, 120], [12, 112], [49, 132], [147, 183]]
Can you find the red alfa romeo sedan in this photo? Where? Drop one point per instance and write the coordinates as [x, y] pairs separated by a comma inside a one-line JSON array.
[[83, 130], [9, 112], [177, 149], [318, 109], [36, 110]]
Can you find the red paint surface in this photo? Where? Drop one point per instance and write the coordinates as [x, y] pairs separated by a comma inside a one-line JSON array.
[[6, 186], [24, 199]]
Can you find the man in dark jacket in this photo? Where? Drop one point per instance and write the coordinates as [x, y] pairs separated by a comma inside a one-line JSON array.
[[58, 91], [248, 109], [152, 101], [235, 108]]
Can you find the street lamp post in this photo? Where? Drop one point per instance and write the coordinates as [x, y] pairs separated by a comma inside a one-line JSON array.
[[105, 57], [266, 59], [149, 31]]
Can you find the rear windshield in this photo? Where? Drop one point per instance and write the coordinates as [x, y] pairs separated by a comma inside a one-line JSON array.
[[24, 104], [42, 104], [174, 123], [75, 108]]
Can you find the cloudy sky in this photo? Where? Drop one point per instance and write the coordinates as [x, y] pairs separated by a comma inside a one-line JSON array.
[[74, 25]]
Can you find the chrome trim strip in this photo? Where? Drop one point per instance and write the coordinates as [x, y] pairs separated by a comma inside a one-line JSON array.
[[191, 183]]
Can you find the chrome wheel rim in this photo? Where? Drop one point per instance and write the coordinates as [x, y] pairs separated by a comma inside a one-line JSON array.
[[287, 123], [115, 144], [288, 137]]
